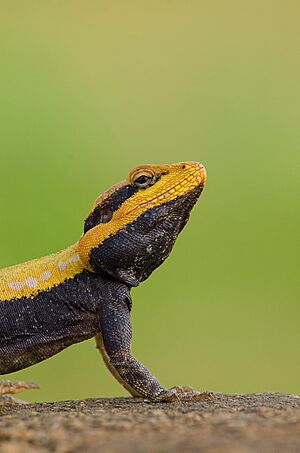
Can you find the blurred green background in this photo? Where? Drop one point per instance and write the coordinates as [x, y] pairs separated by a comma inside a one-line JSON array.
[[89, 90]]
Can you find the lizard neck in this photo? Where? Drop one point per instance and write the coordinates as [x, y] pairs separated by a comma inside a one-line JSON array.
[[27, 279]]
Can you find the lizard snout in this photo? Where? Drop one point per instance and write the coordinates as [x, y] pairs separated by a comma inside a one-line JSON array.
[[197, 170]]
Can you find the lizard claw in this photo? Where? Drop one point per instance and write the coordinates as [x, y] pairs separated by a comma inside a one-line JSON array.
[[184, 393], [8, 387]]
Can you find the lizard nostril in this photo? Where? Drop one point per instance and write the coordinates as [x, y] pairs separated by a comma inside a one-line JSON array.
[[183, 166]]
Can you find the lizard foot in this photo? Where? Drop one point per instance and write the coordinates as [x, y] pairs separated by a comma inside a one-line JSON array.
[[183, 393], [11, 388]]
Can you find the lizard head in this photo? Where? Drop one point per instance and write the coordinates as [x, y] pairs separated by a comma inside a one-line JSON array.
[[133, 226]]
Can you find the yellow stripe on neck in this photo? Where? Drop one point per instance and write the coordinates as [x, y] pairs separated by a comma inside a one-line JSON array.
[[27, 279]]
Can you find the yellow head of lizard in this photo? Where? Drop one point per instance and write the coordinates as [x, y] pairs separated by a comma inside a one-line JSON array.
[[150, 191]]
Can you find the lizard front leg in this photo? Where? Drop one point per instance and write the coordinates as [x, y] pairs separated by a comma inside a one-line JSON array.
[[114, 342]]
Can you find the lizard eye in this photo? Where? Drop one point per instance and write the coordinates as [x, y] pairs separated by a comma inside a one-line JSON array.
[[143, 180]]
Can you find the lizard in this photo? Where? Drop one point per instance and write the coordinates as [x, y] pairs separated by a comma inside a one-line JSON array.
[[50, 303]]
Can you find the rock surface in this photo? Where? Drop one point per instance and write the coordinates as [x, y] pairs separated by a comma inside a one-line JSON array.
[[265, 423]]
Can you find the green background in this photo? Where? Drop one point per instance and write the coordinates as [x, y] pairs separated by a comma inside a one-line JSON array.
[[90, 89]]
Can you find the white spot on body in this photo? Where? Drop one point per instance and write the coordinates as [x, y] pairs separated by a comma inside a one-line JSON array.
[[31, 282], [46, 275], [62, 265], [74, 259], [16, 285]]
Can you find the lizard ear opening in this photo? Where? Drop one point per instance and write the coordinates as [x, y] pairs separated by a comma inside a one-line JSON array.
[[101, 214]]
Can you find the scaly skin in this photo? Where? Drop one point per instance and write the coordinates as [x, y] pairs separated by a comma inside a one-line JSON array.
[[84, 291]]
